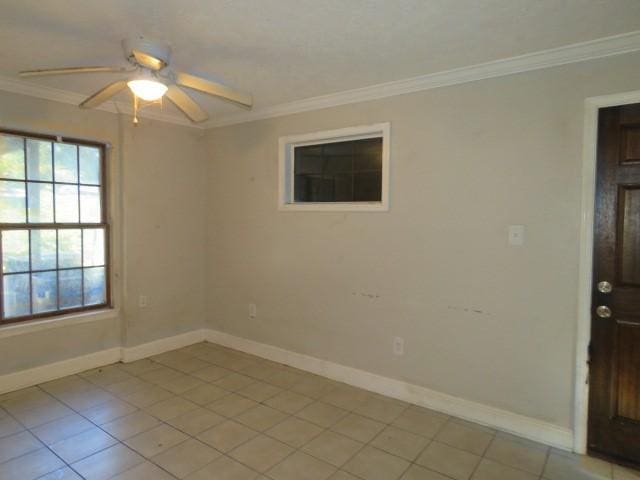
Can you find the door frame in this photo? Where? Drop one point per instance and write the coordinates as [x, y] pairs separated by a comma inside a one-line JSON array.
[[585, 271]]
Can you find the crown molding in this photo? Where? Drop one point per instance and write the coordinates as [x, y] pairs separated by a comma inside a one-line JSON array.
[[578, 52], [22, 87]]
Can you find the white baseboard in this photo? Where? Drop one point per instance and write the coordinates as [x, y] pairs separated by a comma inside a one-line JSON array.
[[52, 371], [503, 420], [130, 354], [71, 366]]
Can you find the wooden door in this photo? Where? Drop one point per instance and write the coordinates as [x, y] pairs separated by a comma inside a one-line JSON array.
[[614, 400]]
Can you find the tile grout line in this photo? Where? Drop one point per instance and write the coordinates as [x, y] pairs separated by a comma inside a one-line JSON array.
[[349, 411], [296, 449], [44, 445], [482, 457], [142, 409], [352, 411], [79, 412], [368, 443], [546, 462], [164, 422], [238, 368]]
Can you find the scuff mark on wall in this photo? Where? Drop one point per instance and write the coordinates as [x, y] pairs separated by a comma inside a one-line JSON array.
[[342, 219], [469, 310], [367, 295]]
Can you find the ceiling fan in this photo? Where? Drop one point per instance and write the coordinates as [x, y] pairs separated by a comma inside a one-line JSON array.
[[151, 79]]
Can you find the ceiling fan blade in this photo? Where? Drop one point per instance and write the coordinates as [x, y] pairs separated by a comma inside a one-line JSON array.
[[66, 71], [148, 61], [214, 88], [105, 94], [185, 103]]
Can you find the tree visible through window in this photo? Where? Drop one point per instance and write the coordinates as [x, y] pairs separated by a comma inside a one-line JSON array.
[[54, 234]]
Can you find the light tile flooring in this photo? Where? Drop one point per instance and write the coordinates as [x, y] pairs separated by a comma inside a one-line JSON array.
[[206, 412]]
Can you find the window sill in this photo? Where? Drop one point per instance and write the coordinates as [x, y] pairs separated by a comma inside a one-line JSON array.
[[336, 207], [23, 328]]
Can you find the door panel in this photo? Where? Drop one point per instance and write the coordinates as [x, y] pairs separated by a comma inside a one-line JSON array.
[[614, 398], [630, 144], [628, 361], [629, 227]]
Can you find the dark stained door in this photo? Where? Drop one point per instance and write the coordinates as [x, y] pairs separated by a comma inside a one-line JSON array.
[[614, 400]]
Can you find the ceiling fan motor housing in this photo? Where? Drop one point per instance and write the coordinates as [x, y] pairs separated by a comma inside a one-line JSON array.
[[157, 49]]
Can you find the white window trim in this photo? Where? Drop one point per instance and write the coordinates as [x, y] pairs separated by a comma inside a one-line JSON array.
[[115, 166], [285, 168], [47, 323]]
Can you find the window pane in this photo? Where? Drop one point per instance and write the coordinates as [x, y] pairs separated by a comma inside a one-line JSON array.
[[44, 181], [89, 165], [43, 249], [369, 155], [65, 159], [348, 171], [69, 248], [342, 188], [40, 202], [15, 295], [339, 164], [340, 149], [94, 286], [367, 187], [313, 188], [93, 246], [66, 203], [339, 156], [11, 157], [15, 251], [44, 291], [308, 159], [39, 160], [70, 282], [89, 204], [12, 202]]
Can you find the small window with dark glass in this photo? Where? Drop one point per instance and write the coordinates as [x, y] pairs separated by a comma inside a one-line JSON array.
[[346, 169], [53, 229], [349, 171]]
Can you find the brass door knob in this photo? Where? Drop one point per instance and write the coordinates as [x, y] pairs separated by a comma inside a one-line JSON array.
[[604, 287]]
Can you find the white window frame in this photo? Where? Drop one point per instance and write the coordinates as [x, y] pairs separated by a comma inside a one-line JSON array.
[[287, 145]]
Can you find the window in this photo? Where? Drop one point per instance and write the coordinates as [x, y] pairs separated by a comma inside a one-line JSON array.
[[345, 169], [53, 229]]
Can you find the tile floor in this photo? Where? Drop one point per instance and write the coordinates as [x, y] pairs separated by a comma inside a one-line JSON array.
[[206, 412]]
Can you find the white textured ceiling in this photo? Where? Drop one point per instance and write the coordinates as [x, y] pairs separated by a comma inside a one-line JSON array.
[[285, 50]]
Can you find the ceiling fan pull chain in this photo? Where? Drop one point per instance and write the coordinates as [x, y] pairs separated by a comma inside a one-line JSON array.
[[135, 109]]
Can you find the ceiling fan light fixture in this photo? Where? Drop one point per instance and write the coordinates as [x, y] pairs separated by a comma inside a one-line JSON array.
[[151, 81], [147, 88]]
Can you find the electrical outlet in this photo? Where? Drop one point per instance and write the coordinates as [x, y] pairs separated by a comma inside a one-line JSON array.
[[398, 346], [253, 312], [142, 301], [516, 235]]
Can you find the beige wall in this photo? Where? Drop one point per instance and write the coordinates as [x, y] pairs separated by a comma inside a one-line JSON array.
[[157, 181], [198, 231], [481, 320], [164, 179]]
